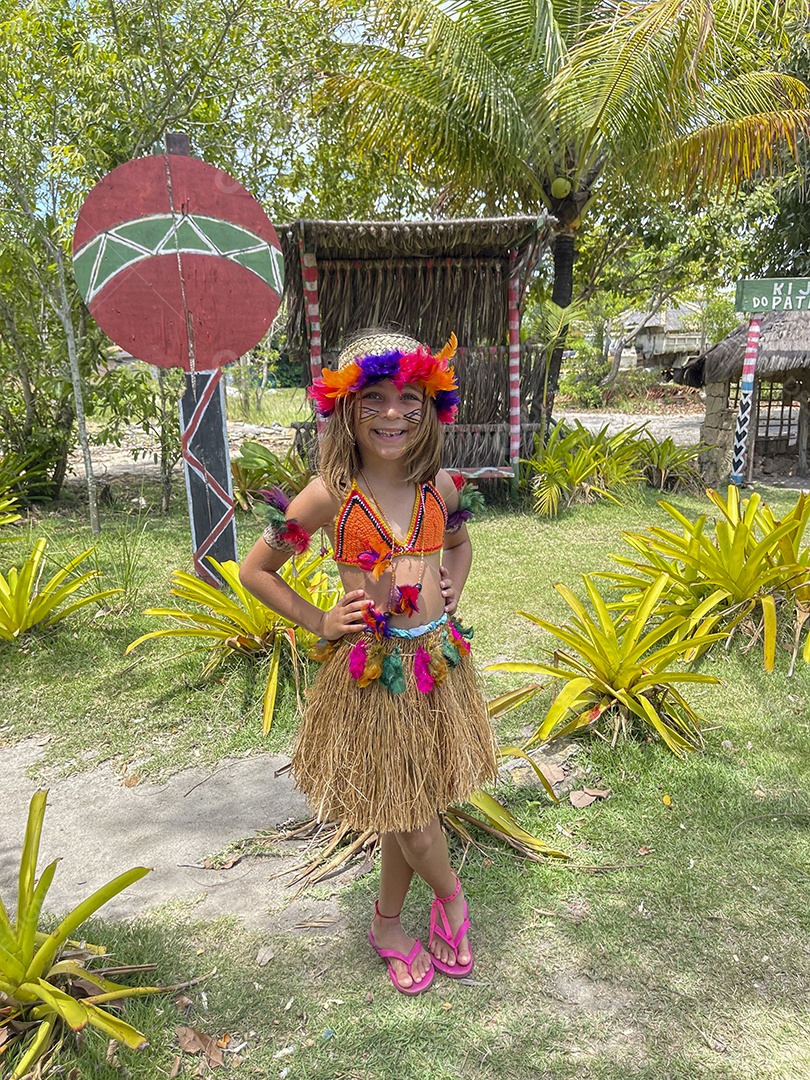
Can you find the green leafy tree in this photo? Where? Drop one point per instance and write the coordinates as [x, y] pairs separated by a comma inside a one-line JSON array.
[[522, 106], [86, 86]]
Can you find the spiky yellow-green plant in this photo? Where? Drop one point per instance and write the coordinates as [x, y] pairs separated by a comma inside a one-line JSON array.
[[234, 621], [35, 980]]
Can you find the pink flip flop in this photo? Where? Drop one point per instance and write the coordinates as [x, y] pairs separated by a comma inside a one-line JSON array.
[[443, 931], [415, 987]]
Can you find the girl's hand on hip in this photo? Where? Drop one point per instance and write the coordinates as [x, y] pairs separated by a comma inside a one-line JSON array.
[[346, 617], [448, 591]]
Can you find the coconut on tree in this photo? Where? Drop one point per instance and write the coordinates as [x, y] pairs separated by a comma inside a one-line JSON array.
[[510, 107]]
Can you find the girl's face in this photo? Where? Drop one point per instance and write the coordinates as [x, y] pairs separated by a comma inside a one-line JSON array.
[[385, 419]]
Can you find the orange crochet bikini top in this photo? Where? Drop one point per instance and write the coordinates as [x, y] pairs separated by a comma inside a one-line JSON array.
[[359, 530]]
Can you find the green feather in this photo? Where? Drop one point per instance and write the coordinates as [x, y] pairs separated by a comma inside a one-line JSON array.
[[393, 673], [449, 651]]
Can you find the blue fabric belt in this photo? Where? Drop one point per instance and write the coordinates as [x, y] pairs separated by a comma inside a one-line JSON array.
[[417, 631]]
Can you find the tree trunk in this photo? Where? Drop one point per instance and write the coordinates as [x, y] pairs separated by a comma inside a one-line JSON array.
[[562, 294], [166, 456], [66, 316]]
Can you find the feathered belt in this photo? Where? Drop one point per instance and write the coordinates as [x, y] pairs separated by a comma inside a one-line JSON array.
[[372, 657]]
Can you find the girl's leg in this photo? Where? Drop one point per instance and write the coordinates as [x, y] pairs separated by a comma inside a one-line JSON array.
[[395, 879], [425, 851]]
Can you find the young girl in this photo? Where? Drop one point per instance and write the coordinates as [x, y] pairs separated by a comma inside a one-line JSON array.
[[394, 728]]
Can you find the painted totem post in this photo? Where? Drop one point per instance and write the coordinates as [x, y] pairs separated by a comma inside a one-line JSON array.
[[181, 267], [754, 298]]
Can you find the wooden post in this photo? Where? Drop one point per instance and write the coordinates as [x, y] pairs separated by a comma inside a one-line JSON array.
[[514, 372], [803, 431], [206, 456], [309, 274], [739, 451]]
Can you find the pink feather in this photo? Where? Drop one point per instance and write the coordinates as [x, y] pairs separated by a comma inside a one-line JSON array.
[[357, 659], [421, 665]]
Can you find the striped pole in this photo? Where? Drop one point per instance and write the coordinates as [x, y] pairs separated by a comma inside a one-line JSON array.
[[514, 370], [207, 467], [746, 402], [309, 274]]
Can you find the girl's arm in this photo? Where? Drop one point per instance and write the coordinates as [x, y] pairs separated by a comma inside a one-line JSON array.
[[457, 556], [314, 508]]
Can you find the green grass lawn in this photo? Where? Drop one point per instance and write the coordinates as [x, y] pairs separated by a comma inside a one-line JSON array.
[[674, 945], [282, 405]]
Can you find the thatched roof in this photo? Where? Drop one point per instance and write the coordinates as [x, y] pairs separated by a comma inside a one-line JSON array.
[[430, 277], [784, 348]]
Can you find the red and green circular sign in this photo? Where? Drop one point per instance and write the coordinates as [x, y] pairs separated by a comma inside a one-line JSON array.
[[177, 262]]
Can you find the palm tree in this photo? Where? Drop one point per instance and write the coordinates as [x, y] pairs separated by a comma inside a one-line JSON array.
[[518, 105]]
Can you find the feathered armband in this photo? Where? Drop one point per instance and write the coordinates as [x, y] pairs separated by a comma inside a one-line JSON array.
[[470, 502], [280, 532]]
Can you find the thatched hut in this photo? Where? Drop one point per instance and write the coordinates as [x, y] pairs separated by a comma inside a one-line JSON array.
[[430, 278], [779, 426]]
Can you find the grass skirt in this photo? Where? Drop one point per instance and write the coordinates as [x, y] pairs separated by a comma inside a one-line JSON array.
[[391, 761]]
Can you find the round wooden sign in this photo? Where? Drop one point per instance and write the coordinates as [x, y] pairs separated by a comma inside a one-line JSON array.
[[177, 262]]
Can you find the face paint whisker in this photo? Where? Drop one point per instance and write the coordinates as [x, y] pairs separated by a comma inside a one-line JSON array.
[[413, 417]]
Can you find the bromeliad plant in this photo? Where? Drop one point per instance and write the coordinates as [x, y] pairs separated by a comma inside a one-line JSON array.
[[671, 467], [791, 554], [576, 465], [258, 467], [752, 563], [45, 990], [236, 623], [25, 601], [614, 669]]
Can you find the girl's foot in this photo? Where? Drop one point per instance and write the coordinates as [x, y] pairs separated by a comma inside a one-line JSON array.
[[387, 934], [448, 934]]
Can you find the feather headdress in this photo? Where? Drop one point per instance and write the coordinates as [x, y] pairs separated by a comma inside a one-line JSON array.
[[398, 358]]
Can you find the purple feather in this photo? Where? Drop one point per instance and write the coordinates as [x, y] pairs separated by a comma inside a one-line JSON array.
[[457, 519], [384, 366], [274, 496]]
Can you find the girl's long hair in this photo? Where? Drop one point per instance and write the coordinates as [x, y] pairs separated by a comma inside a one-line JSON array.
[[339, 459]]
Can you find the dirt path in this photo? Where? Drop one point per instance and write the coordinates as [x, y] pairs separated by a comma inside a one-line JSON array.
[[100, 828], [120, 461]]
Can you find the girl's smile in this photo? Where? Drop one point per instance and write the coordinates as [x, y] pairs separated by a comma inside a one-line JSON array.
[[386, 416]]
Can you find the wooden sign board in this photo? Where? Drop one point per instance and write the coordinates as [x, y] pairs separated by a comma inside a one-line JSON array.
[[181, 267], [756, 297]]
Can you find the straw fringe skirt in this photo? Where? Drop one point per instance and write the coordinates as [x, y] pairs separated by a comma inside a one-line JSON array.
[[379, 760]]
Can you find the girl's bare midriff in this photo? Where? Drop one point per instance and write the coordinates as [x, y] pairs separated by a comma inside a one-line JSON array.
[[431, 602]]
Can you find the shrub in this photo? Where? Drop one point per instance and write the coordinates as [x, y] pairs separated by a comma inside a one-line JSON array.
[[26, 603], [239, 624], [576, 465], [614, 670], [258, 467], [45, 986], [752, 563]]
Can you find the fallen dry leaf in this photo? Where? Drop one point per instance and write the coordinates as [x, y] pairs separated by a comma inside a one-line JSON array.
[[598, 793], [580, 799], [645, 850], [176, 1066], [183, 1004], [131, 781], [264, 955], [194, 1041], [553, 773], [224, 1041], [214, 864]]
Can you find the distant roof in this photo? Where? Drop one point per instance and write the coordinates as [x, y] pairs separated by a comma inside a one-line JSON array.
[[784, 347], [430, 277], [670, 317]]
